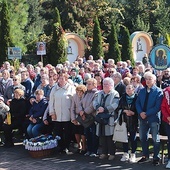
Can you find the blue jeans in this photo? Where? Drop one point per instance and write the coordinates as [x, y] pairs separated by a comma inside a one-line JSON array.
[[92, 139], [144, 128], [34, 130], [167, 128], [132, 140]]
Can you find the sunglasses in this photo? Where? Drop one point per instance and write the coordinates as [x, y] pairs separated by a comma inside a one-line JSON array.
[[14, 79]]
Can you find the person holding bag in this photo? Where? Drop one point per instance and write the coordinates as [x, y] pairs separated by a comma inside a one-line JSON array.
[[130, 116], [78, 128], [106, 101], [86, 108]]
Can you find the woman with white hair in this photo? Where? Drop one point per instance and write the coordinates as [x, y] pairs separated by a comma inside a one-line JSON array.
[[106, 101]]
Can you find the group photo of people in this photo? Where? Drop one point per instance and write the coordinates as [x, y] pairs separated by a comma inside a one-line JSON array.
[[83, 101]]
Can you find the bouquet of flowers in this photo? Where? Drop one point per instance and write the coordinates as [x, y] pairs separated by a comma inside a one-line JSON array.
[[42, 142]]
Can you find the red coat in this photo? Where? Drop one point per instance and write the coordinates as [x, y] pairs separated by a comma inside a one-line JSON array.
[[165, 106]]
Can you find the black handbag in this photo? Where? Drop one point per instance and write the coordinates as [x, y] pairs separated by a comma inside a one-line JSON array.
[[103, 118], [89, 120]]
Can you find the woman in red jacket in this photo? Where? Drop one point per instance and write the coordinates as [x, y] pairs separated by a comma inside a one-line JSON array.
[[165, 108]]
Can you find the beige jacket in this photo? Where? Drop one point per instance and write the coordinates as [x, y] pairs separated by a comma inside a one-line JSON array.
[[60, 102]]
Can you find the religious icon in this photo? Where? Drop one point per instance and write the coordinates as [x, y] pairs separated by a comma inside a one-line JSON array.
[[41, 48], [139, 45], [69, 48], [160, 57]]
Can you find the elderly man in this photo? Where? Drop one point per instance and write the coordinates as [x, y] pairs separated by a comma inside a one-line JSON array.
[[148, 107]]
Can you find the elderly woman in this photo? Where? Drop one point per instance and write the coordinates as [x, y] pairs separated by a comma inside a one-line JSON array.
[[106, 100], [18, 111], [59, 109], [86, 107], [9, 93], [130, 116], [5, 82], [78, 129]]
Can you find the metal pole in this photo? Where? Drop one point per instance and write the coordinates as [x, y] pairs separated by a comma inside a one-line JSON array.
[[42, 58]]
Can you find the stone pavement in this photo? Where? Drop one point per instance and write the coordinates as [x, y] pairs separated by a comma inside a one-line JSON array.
[[17, 158]]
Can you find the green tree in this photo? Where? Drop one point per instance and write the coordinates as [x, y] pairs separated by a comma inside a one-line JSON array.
[[58, 42], [18, 13], [114, 51], [126, 45], [35, 26], [159, 19], [136, 14], [97, 48], [5, 37]]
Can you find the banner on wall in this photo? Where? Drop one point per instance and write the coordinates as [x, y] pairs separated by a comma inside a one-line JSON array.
[[160, 57]]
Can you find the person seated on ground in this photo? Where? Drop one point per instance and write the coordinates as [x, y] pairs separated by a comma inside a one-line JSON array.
[[36, 113], [3, 111], [77, 128], [18, 111], [10, 90]]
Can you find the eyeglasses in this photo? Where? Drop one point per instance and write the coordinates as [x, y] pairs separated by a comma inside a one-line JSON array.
[[14, 79]]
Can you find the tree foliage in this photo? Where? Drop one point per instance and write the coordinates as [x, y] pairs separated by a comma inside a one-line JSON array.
[[35, 25], [97, 48], [5, 37], [126, 45], [58, 42], [18, 13], [114, 51]]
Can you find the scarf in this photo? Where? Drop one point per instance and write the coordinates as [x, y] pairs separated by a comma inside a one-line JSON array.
[[129, 99]]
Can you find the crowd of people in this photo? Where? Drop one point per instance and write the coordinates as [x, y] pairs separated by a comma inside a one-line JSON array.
[[49, 99]]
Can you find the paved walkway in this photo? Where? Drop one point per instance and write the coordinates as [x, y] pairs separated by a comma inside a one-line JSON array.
[[17, 158]]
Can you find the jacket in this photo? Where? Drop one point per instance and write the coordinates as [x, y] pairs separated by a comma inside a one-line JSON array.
[[37, 110], [86, 103], [153, 104], [132, 121], [60, 102], [165, 106], [111, 105]]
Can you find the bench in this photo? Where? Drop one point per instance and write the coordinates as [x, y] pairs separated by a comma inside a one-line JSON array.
[[163, 142]]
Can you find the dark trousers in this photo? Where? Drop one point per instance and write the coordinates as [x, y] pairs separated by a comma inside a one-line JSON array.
[[63, 129], [108, 145], [16, 124], [132, 140], [92, 139], [167, 128]]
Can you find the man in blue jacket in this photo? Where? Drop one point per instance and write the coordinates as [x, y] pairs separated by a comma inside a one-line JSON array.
[[148, 107]]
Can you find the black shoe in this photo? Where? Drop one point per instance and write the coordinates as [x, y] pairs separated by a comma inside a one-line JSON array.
[[78, 151], [82, 152], [8, 145], [143, 160], [156, 162]]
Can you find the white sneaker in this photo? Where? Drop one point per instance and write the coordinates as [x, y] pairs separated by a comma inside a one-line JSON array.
[[125, 157], [132, 157], [168, 165]]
